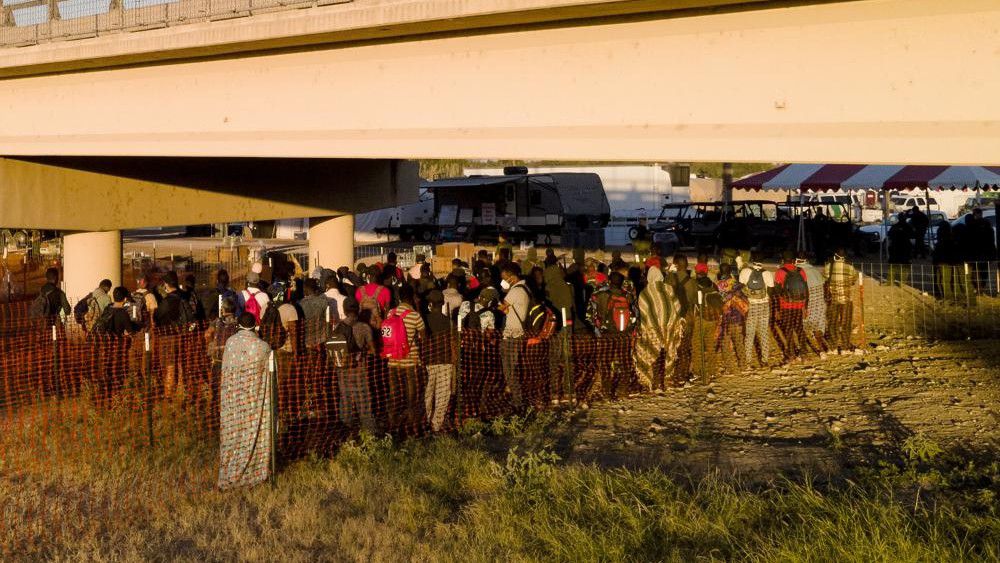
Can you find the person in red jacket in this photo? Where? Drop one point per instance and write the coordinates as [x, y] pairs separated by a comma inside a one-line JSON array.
[[792, 292]]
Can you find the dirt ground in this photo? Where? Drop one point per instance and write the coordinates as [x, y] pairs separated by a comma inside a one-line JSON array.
[[820, 417]]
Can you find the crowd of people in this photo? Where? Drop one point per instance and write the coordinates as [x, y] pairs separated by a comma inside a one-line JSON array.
[[391, 334], [970, 242]]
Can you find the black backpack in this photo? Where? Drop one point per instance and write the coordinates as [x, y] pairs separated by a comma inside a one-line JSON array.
[[472, 320], [80, 309], [185, 313], [103, 322], [209, 300], [756, 287], [42, 305], [342, 347], [795, 287], [224, 329], [87, 311], [138, 299], [711, 300], [346, 332], [271, 329]]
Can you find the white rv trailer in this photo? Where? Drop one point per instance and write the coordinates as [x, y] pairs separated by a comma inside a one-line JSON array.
[[635, 191]]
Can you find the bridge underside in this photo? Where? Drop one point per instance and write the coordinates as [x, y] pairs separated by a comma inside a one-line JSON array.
[[98, 194], [91, 199], [873, 81]]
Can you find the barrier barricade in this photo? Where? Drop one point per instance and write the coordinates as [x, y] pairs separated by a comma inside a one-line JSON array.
[[73, 399]]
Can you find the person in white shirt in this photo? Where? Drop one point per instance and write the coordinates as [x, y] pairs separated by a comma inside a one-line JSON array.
[[415, 268], [336, 298], [515, 306], [757, 284], [452, 297], [253, 278], [815, 319]]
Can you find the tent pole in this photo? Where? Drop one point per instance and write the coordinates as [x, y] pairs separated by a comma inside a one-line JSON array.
[[885, 223], [727, 183], [801, 243], [927, 204]]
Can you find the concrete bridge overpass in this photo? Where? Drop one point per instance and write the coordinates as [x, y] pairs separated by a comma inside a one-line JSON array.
[[376, 81]]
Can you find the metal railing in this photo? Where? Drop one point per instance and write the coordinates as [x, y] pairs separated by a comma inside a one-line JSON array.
[[29, 22]]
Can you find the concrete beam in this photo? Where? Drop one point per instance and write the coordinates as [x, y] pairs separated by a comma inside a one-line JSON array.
[[188, 32], [99, 194], [881, 81]]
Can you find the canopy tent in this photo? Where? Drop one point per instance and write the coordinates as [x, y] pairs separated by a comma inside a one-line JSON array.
[[804, 178], [832, 177]]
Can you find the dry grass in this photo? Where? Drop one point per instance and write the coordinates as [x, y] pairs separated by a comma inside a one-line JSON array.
[[450, 498]]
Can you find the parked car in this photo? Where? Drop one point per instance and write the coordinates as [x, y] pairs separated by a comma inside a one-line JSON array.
[[990, 215], [872, 236], [674, 218], [702, 224], [900, 203], [984, 201]]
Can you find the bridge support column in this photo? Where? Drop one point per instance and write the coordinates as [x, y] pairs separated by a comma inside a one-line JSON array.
[[88, 258], [331, 242]]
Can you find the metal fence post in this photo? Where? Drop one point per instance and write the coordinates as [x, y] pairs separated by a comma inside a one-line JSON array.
[[701, 332], [147, 368], [861, 309], [56, 380], [967, 283], [456, 342], [272, 385], [568, 354]]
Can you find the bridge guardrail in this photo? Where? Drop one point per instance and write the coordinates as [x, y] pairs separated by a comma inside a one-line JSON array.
[[30, 22]]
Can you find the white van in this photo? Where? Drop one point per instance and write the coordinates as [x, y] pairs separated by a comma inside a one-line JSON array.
[[900, 203]]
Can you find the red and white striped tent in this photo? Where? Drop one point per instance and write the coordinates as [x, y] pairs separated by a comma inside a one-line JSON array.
[[833, 177], [803, 178]]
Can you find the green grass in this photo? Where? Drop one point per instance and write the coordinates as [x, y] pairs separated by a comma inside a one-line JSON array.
[[459, 498]]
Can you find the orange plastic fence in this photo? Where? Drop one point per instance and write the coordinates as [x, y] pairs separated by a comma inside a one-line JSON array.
[[155, 388]]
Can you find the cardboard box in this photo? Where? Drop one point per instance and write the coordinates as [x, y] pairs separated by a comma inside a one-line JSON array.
[[465, 250]]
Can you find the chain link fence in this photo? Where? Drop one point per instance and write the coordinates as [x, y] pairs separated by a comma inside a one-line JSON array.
[[947, 301]]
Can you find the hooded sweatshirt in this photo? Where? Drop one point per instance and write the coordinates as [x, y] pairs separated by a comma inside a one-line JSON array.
[[556, 288]]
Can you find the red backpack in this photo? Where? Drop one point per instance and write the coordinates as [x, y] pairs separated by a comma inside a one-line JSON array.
[[395, 342], [619, 313], [252, 306]]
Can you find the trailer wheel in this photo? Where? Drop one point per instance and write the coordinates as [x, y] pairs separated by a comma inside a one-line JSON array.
[[633, 233], [548, 240], [426, 235]]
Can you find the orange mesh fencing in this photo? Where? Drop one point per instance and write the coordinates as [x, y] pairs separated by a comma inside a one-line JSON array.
[[70, 398]]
